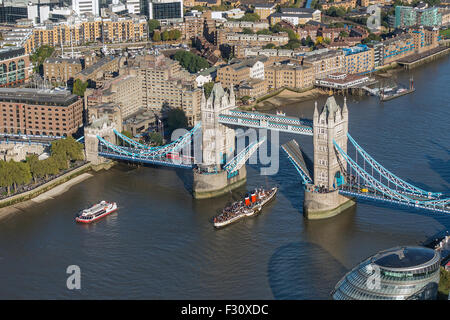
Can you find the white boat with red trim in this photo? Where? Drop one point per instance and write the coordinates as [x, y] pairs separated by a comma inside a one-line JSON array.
[[96, 212]]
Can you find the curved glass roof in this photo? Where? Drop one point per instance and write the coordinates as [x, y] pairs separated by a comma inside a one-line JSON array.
[[403, 257]]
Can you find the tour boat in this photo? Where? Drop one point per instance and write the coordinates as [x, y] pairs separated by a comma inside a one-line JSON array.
[[248, 207], [96, 212]]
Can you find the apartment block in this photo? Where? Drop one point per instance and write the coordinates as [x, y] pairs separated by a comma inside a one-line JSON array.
[[61, 70], [240, 70], [359, 59], [252, 39], [263, 10], [326, 62], [296, 16], [165, 84], [290, 74]]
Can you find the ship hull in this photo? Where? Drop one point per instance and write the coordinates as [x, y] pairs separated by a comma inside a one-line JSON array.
[[252, 212], [107, 212]]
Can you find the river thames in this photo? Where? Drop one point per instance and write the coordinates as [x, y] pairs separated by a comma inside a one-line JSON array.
[[161, 243]]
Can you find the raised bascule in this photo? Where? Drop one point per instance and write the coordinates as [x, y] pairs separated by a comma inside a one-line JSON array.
[[332, 182]]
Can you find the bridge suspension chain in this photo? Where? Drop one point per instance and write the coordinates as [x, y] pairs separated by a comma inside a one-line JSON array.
[[409, 188], [387, 191]]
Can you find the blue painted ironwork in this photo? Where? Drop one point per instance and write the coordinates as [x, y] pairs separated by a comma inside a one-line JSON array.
[[300, 167], [267, 121], [155, 155], [376, 189], [239, 160], [407, 187]]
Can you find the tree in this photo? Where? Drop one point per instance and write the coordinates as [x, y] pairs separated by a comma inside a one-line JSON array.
[[327, 40], [190, 61], [343, 34], [20, 173], [155, 138], [264, 31], [269, 46], [127, 134], [165, 35], [176, 119], [152, 25], [66, 150], [6, 179], [253, 17], [207, 87], [40, 55], [36, 167], [79, 87], [247, 31], [156, 36]]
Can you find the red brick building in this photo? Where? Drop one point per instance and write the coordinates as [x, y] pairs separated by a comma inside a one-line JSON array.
[[39, 112]]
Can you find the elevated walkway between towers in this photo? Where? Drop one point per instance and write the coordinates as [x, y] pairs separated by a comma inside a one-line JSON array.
[[276, 122]]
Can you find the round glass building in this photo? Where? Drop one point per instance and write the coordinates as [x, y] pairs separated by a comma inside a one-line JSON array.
[[399, 273]]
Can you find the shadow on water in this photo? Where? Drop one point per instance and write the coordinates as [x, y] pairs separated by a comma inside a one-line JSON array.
[[302, 270], [291, 278], [187, 177]]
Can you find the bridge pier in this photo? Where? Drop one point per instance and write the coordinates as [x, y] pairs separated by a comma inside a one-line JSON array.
[[210, 185], [325, 205]]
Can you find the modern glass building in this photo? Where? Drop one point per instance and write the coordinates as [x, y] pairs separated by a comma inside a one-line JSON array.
[[408, 16], [166, 10], [401, 273]]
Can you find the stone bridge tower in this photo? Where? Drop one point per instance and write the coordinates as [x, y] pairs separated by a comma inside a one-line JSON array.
[[102, 127], [331, 124], [218, 147], [218, 139], [329, 167]]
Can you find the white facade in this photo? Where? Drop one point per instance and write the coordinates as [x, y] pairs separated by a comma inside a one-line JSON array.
[[257, 71], [34, 11], [86, 6], [201, 80], [133, 6]]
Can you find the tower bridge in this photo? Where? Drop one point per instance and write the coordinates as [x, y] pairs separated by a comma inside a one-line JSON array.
[[332, 182]]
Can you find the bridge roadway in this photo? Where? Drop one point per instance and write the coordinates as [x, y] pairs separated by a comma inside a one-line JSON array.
[[267, 121], [27, 139], [370, 194]]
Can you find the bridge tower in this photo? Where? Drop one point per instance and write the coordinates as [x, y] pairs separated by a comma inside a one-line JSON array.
[[102, 127], [322, 200], [331, 124], [218, 145], [218, 139]]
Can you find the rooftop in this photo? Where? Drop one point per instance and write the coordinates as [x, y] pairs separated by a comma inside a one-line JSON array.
[[37, 96], [404, 257]]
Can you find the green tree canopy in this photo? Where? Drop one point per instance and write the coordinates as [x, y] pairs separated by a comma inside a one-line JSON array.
[[152, 25], [207, 87], [66, 150], [79, 87], [156, 36], [165, 35], [247, 31], [155, 138], [190, 61], [250, 17], [39, 56], [176, 119], [269, 46]]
